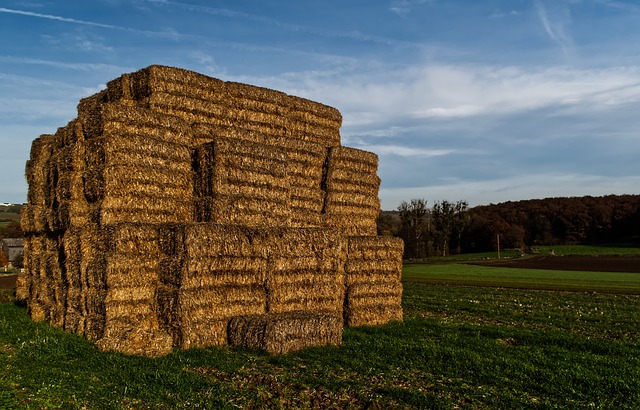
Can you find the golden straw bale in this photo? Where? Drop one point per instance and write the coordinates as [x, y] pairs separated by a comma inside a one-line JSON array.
[[305, 198], [145, 209], [242, 210], [216, 270], [23, 283], [203, 332], [205, 239], [157, 78], [274, 101], [304, 106], [222, 301], [351, 221], [362, 295], [132, 271], [307, 295], [94, 312], [189, 108], [375, 248], [286, 332], [37, 169], [373, 303], [373, 315], [168, 312], [118, 119], [133, 239], [33, 219], [204, 133], [74, 318], [354, 159], [37, 311], [141, 342]]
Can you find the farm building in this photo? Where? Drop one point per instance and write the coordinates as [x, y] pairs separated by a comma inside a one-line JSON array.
[[12, 248], [182, 210]]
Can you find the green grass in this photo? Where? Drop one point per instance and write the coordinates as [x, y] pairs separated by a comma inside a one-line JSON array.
[[459, 347], [473, 275]]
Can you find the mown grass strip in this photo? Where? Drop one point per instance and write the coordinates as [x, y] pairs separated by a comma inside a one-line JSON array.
[[474, 275]]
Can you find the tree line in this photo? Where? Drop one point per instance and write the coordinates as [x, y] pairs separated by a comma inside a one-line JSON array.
[[453, 227]]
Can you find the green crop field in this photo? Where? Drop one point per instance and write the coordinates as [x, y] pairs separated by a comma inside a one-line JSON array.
[[472, 275], [460, 346]]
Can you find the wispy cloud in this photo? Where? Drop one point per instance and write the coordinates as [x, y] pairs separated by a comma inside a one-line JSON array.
[[556, 28], [404, 151], [65, 65], [172, 34], [353, 35]]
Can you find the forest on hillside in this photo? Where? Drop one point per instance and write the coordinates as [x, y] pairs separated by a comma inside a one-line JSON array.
[[517, 225]]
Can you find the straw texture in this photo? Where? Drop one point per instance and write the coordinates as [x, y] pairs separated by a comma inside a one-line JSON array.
[[179, 210]]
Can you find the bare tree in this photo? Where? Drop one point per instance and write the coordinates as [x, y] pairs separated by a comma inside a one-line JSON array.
[[414, 219]]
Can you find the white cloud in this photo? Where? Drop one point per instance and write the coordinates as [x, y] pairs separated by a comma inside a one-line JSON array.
[[403, 151]]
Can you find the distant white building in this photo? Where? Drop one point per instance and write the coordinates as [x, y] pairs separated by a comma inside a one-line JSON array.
[[12, 248]]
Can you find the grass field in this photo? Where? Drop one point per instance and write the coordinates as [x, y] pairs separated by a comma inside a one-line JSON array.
[[472, 275], [459, 347]]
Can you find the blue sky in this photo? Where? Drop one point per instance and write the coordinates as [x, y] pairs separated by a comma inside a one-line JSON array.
[[484, 101]]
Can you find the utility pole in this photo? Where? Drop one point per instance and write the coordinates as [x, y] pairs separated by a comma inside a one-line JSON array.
[[498, 236]]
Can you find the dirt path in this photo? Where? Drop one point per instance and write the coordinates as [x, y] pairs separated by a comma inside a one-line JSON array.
[[581, 263], [8, 281]]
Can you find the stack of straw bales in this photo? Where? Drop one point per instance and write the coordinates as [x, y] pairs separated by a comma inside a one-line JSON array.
[[182, 210]]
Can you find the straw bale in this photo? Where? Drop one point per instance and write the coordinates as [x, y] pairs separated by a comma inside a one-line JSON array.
[[141, 342], [364, 271], [221, 301], [237, 167], [327, 136], [242, 210], [203, 133], [94, 312], [33, 219], [156, 78], [373, 303], [351, 221], [145, 209], [133, 238], [305, 198], [132, 271], [300, 242], [305, 163], [375, 248], [302, 218], [121, 148], [273, 101], [117, 119], [354, 159], [23, 284], [127, 180], [307, 295], [204, 332], [363, 295], [205, 239], [74, 317], [373, 315], [189, 108], [223, 270], [36, 166], [287, 332], [120, 90], [171, 239], [38, 311], [302, 106], [168, 312]]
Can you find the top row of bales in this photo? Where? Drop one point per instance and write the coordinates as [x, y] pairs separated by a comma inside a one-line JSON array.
[[168, 153]]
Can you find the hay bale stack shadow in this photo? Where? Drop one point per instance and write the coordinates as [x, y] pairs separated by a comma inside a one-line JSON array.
[[179, 210]]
